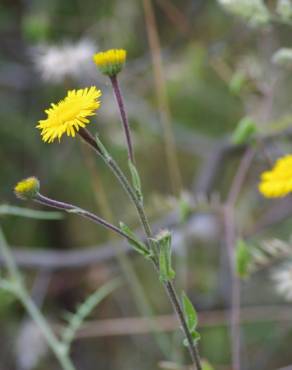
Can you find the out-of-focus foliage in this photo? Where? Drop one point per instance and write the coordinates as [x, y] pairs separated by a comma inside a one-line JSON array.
[[222, 61]]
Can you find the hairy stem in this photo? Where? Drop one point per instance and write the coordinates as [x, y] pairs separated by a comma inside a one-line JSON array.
[[124, 117], [114, 167], [82, 212], [135, 284], [193, 350]]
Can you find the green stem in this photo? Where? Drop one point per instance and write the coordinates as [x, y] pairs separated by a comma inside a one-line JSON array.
[[168, 286], [193, 350], [8, 259], [17, 288], [51, 339], [81, 212], [132, 195], [114, 167], [135, 284]]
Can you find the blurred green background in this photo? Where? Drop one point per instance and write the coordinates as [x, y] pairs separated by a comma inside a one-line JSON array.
[[217, 69]]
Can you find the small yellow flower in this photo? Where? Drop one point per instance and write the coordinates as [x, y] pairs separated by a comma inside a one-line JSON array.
[[110, 62], [277, 182], [69, 114], [27, 188]]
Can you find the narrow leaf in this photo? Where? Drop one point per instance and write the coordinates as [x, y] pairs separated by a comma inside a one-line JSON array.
[[135, 175], [136, 180], [84, 309], [6, 209], [243, 258], [134, 241], [190, 312], [165, 267], [102, 148]]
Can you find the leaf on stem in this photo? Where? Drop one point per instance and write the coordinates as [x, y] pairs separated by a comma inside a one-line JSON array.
[[190, 312], [191, 319], [136, 181], [163, 242], [134, 241], [102, 148]]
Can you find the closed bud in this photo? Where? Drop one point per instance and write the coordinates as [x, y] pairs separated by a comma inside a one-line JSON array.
[[27, 188], [110, 62]]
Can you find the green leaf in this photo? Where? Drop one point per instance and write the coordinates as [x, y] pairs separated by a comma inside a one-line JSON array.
[[243, 258], [136, 180], [84, 309], [245, 129], [134, 241], [135, 176], [102, 149], [190, 312], [163, 241], [6, 209]]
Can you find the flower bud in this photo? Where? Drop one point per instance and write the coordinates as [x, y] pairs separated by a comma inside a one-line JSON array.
[[110, 62], [27, 188]]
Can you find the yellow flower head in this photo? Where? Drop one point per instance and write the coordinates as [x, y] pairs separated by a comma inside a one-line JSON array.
[[69, 114], [27, 188], [110, 62], [277, 182]]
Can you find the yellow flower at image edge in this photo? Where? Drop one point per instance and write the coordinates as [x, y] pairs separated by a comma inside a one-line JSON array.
[[69, 114], [278, 181], [110, 62], [27, 188]]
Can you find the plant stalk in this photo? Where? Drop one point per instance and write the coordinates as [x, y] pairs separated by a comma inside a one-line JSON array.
[[56, 346], [123, 114], [114, 167], [17, 288], [81, 212], [193, 350]]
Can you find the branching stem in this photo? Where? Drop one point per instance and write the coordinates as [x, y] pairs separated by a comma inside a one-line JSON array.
[[169, 287]]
